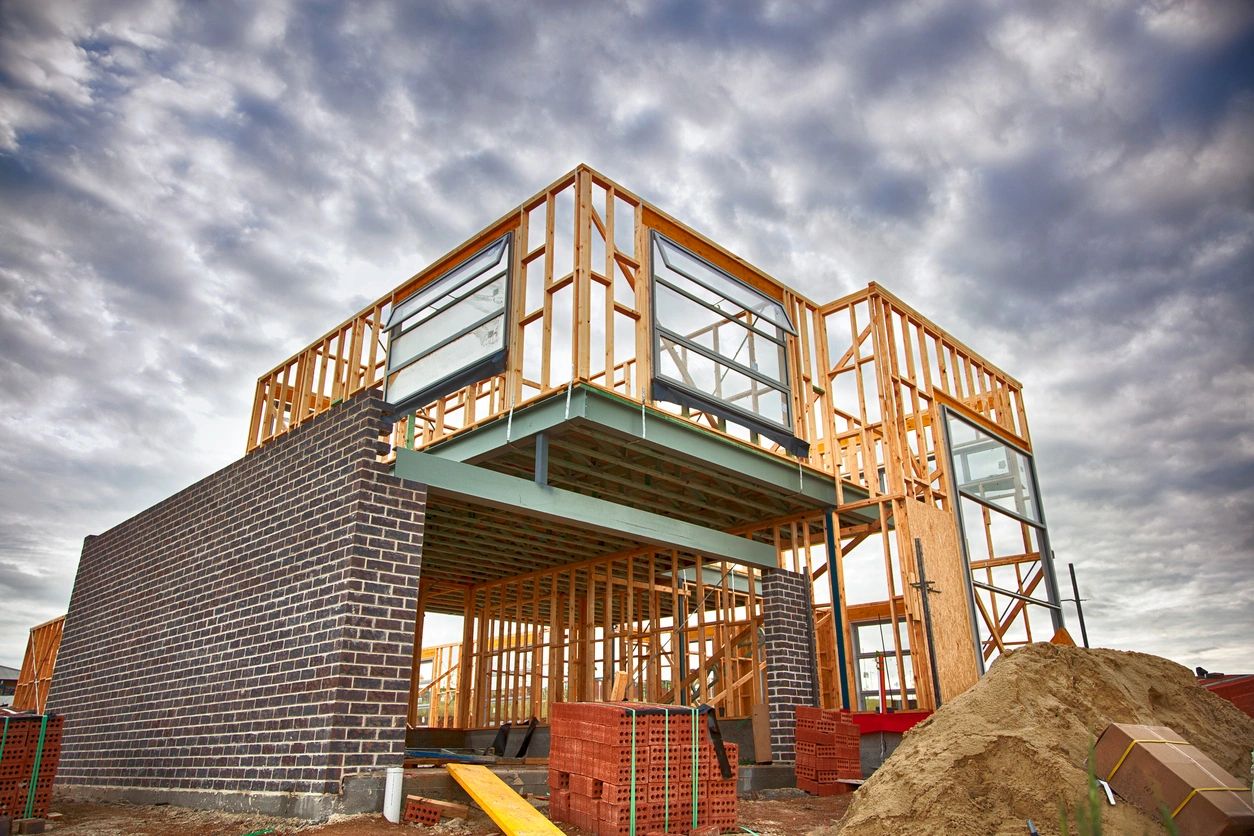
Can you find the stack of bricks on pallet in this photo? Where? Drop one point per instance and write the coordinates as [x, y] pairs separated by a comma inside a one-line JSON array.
[[591, 762], [19, 750], [828, 751]]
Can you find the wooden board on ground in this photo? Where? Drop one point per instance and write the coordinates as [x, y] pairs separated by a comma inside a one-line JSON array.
[[956, 662], [511, 813]]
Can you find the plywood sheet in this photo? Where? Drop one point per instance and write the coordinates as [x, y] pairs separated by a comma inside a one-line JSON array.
[[956, 661]]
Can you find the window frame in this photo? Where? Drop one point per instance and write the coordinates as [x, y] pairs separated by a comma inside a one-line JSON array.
[[666, 388], [486, 366], [906, 694], [1041, 527]]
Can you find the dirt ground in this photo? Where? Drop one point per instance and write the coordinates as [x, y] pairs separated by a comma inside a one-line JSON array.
[[783, 817]]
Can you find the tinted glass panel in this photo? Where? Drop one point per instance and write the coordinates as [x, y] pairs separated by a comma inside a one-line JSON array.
[[721, 341], [680, 267], [452, 357], [467, 271], [724, 382], [449, 326], [458, 317], [697, 324]]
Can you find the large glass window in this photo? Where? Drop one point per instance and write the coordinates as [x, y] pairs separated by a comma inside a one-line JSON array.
[[720, 345], [452, 332], [989, 469], [1002, 530]]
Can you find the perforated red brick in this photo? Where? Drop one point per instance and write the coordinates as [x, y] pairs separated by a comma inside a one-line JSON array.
[[419, 813]]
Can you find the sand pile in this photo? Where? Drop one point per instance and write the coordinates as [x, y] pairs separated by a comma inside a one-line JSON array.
[[1015, 745]]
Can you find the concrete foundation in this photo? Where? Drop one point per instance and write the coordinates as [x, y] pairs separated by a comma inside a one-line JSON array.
[[297, 805], [363, 791]]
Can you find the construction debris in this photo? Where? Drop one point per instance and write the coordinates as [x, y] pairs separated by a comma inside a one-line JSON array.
[[1015, 746], [429, 811]]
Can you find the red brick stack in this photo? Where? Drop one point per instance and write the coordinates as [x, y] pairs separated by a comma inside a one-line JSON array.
[[591, 769], [19, 746], [828, 750]]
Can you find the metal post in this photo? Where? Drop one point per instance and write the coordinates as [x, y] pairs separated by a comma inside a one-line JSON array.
[[542, 459], [925, 590], [1079, 607], [1051, 582], [838, 616]]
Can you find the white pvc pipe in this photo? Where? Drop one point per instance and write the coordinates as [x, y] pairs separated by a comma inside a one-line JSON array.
[[392, 794]]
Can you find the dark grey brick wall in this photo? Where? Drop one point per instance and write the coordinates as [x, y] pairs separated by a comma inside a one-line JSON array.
[[253, 632], [788, 631]]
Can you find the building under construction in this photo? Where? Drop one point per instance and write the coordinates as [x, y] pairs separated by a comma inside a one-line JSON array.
[[611, 447]]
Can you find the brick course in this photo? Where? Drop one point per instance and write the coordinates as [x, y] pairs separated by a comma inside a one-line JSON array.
[[788, 633], [253, 632]]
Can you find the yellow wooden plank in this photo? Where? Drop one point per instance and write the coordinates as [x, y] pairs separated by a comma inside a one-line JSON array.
[[511, 813]]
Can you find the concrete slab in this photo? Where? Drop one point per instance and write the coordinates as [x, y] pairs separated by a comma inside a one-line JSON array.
[[313, 806], [364, 792]]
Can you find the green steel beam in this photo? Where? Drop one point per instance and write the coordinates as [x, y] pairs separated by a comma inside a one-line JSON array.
[[523, 496], [627, 420]]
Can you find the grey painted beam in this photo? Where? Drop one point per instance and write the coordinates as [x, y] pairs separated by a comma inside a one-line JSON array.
[[666, 433], [524, 496]]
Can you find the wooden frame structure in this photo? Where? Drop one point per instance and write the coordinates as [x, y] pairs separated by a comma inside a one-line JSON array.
[[684, 629], [873, 385], [35, 677], [433, 703]]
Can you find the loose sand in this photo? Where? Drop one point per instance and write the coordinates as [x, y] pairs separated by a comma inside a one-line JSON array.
[[1015, 745]]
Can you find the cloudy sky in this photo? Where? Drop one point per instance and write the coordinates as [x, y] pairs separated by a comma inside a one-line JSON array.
[[191, 192]]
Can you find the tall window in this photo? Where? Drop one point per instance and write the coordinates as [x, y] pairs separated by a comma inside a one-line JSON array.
[[720, 346], [1002, 526], [451, 332], [876, 660]]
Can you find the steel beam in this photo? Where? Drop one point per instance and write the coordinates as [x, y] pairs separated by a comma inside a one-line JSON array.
[[525, 498], [631, 422]]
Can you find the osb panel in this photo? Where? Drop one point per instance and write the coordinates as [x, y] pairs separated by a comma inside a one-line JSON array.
[[956, 661]]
